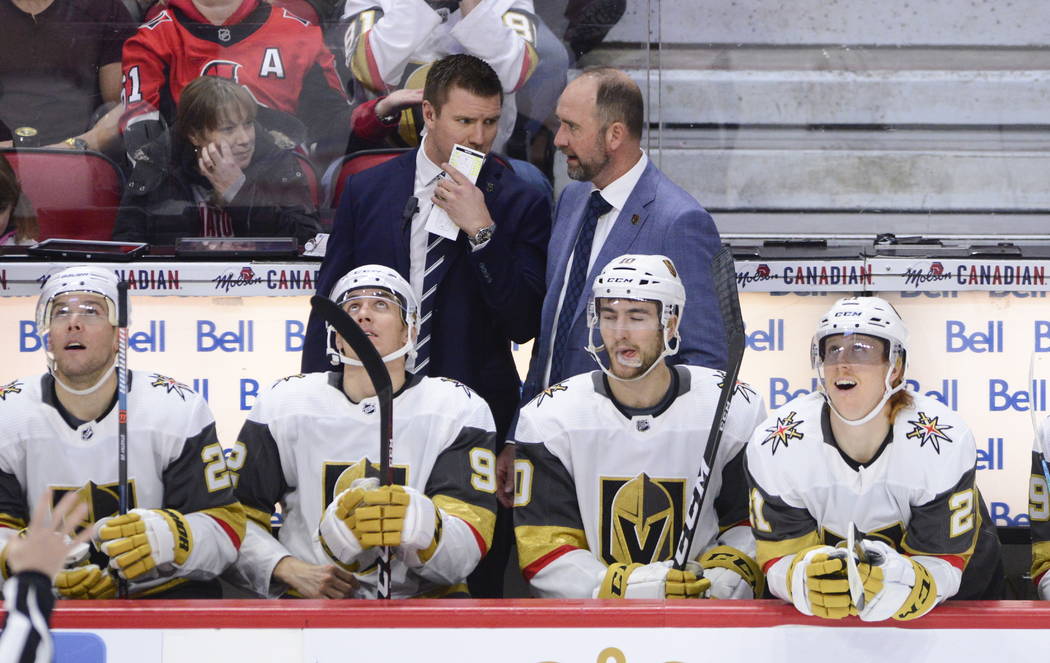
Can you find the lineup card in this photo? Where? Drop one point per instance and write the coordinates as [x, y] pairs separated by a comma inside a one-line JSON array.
[[467, 161]]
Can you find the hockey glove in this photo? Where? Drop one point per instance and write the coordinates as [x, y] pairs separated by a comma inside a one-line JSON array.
[[733, 574], [651, 581], [398, 516], [819, 585], [144, 542], [340, 518], [85, 582], [905, 589]]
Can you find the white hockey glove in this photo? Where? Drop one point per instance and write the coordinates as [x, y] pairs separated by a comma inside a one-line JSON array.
[[733, 574], [1044, 587], [904, 590], [340, 519], [145, 542], [651, 581], [402, 517]]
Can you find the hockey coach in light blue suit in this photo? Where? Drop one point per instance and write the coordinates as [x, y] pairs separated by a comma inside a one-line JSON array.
[[621, 204]]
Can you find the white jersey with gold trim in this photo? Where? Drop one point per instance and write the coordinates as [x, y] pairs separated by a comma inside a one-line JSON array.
[[917, 494], [175, 461], [304, 431], [1039, 510], [615, 483]]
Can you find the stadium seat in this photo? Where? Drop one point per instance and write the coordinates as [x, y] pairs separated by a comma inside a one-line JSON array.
[[76, 194], [335, 176], [311, 178]]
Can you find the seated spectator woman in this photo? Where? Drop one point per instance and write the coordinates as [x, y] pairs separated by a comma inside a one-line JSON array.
[[216, 173], [18, 224]]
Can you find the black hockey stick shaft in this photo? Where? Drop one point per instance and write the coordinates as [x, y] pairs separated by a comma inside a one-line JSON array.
[[373, 364], [122, 410], [723, 275]]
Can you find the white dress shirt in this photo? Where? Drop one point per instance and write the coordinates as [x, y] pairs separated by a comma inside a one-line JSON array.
[[616, 194]]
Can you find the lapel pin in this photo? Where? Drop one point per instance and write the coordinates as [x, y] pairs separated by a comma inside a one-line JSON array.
[[634, 219]]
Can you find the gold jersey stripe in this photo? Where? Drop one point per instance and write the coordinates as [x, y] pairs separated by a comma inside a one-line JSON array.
[[1040, 558], [481, 519], [767, 551], [233, 515], [535, 541], [262, 518]]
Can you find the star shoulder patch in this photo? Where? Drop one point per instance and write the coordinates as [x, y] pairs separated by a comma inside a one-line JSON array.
[[171, 384], [783, 432], [10, 388], [456, 383], [928, 429], [287, 378], [549, 392]]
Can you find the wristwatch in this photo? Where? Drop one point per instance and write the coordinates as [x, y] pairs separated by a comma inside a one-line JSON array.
[[482, 236], [77, 143]]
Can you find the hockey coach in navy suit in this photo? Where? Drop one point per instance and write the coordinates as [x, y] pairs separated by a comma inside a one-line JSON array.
[[483, 288], [621, 204]]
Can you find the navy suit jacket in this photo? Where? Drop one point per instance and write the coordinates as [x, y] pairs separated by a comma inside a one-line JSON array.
[[658, 218], [486, 298]]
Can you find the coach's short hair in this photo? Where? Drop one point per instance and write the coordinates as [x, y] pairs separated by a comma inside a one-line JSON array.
[[618, 99], [464, 71]]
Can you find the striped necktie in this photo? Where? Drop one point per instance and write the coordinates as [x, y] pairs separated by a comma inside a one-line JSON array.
[[577, 282], [436, 256]]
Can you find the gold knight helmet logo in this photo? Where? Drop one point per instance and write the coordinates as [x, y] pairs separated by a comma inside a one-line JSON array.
[[642, 518]]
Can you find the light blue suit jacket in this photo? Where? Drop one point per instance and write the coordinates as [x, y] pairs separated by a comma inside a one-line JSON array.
[[658, 218]]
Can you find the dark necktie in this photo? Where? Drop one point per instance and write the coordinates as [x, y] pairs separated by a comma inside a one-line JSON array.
[[437, 247], [576, 283]]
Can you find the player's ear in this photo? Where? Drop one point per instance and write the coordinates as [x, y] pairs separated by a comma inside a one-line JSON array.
[[672, 327]]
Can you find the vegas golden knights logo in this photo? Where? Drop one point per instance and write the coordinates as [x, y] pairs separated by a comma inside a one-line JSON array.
[[103, 500], [334, 482], [641, 518]]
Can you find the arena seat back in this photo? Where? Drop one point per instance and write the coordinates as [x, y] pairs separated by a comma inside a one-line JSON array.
[[75, 193], [335, 176]]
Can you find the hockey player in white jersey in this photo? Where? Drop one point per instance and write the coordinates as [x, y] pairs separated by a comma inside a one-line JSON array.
[[60, 435], [312, 443], [1039, 511], [896, 467], [607, 459]]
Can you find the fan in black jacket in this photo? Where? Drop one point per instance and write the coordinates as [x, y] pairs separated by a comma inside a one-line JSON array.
[[216, 173]]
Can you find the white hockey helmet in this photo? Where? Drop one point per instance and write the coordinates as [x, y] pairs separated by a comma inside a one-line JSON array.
[[871, 316], [376, 277], [82, 278], [644, 278]]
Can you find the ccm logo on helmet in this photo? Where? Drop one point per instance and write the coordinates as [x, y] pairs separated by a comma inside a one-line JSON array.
[[847, 314]]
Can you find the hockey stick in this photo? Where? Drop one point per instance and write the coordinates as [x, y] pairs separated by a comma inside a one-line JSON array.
[[366, 352], [723, 274], [122, 411]]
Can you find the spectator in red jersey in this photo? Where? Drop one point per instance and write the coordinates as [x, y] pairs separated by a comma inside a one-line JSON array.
[[59, 68], [216, 174], [277, 56], [18, 225]]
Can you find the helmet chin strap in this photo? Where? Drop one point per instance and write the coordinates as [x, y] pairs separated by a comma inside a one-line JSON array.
[[400, 352], [887, 393], [90, 390], [594, 350]]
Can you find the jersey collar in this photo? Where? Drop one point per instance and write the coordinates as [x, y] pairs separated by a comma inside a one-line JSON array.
[[680, 384]]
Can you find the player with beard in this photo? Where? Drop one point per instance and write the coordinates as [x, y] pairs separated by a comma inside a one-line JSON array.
[[60, 436], [896, 467], [608, 458]]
